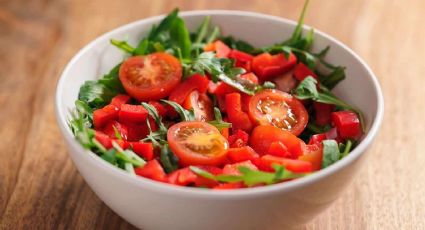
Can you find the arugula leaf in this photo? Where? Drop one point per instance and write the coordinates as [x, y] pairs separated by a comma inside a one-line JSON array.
[[347, 148], [185, 115], [215, 33], [238, 44], [179, 35], [168, 159], [331, 152], [142, 47], [160, 136], [297, 34], [202, 30], [249, 176], [123, 45], [218, 122], [332, 79], [128, 156]]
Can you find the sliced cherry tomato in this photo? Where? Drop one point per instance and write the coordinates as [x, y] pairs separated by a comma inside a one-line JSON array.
[[143, 149], [264, 135], [153, 170], [347, 123], [241, 154], [285, 82], [266, 164], [201, 104], [314, 155], [195, 82], [238, 118], [301, 71], [221, 49], [103, 115], [119, 100], [233, 169], [267, 66], [150, 77], [279, 109], [136, 114], [197, 143], [323, 112]]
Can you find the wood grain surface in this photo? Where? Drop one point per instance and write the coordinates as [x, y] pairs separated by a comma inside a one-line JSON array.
[[40, 187]]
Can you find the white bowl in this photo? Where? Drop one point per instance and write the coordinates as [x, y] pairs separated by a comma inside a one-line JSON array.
[[152, 205]]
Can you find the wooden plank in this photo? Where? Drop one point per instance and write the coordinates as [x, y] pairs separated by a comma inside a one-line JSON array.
[[40, 187]]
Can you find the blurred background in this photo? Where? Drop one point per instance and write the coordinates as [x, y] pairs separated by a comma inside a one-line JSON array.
[[40, 187]]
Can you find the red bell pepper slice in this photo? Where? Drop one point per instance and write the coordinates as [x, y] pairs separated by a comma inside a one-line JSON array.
[[143, 149], [103, 139], [267, 66], [233, 185], [245, 153], [238, 139], [186, 176], [301, 71], [114, 126], [347, 123], [238, 118], [265, 163], [195, 82], [279, 149], [119, 100], [221, 49], [323, 112], [242, 59], [160, 108], [152, 170], [136, 114], [314, 155], [103, 115], [317, 138], [233, 169]]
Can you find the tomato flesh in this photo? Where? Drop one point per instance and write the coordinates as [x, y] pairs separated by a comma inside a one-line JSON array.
[[197, 143], [201, 104], [278, 109], [150, 77]]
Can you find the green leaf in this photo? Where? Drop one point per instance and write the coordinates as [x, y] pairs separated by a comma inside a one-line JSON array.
[[331, 153], [142, 47], [168, 159], [123, 45], [202, 30], [181, 37], [297, 34], [215, 33], [218, 122], [336, 76], [238, 44], [347, 148], [110, 157], [160, 136], [185, 115], [307, 89], [164, 25]]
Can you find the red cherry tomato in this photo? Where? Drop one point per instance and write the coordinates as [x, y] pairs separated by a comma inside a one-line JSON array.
[[201, 104], [197, 143], [278, 109], [314, 155], [150, 77]]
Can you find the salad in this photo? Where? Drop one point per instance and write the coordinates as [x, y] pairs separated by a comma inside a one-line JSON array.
[[208, 110]]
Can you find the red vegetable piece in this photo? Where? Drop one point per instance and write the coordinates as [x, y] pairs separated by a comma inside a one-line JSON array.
[[136, 114], [186, 176], [239, 135], [233, 185], [152, 170], [314, 155], [265, 163], [143, 149], [103, 139], [317, 138], [112, 127], [347, 123], [238, 118], [323, 112], [103, 115], [162, 110], [119, 100], [195, 82], [278, 149], [233, 169], [240, 56], [245, 153], [301, 71], [267, 66]]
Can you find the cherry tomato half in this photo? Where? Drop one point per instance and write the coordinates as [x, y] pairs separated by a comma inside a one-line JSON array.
[[150, 77], [201, 105], [279, 109], [197, 143]]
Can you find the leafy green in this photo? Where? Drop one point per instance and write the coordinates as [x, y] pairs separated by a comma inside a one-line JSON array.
[[158, 137], [347, 148], [202, 30], [238, 44], [218, 122], [164, 26], [331, 153], [123, 45], [100, 92], [185, 115], [251, 177], [180, 37], [168, 159], [333, 78]]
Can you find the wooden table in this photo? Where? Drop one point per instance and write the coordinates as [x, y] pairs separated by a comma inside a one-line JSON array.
[[40, 187]]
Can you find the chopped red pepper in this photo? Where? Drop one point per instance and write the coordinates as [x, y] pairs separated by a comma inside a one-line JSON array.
[[323, 112], [267, 66], [136, 114], [317, 138], [233, 169], [265, 163], [347, 123], [103, 115], [112, 127], [119, 100], [238, 118], [143, 149], [153, 170], [195, 82], [279, 149], [301, 71], [241, 154]]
